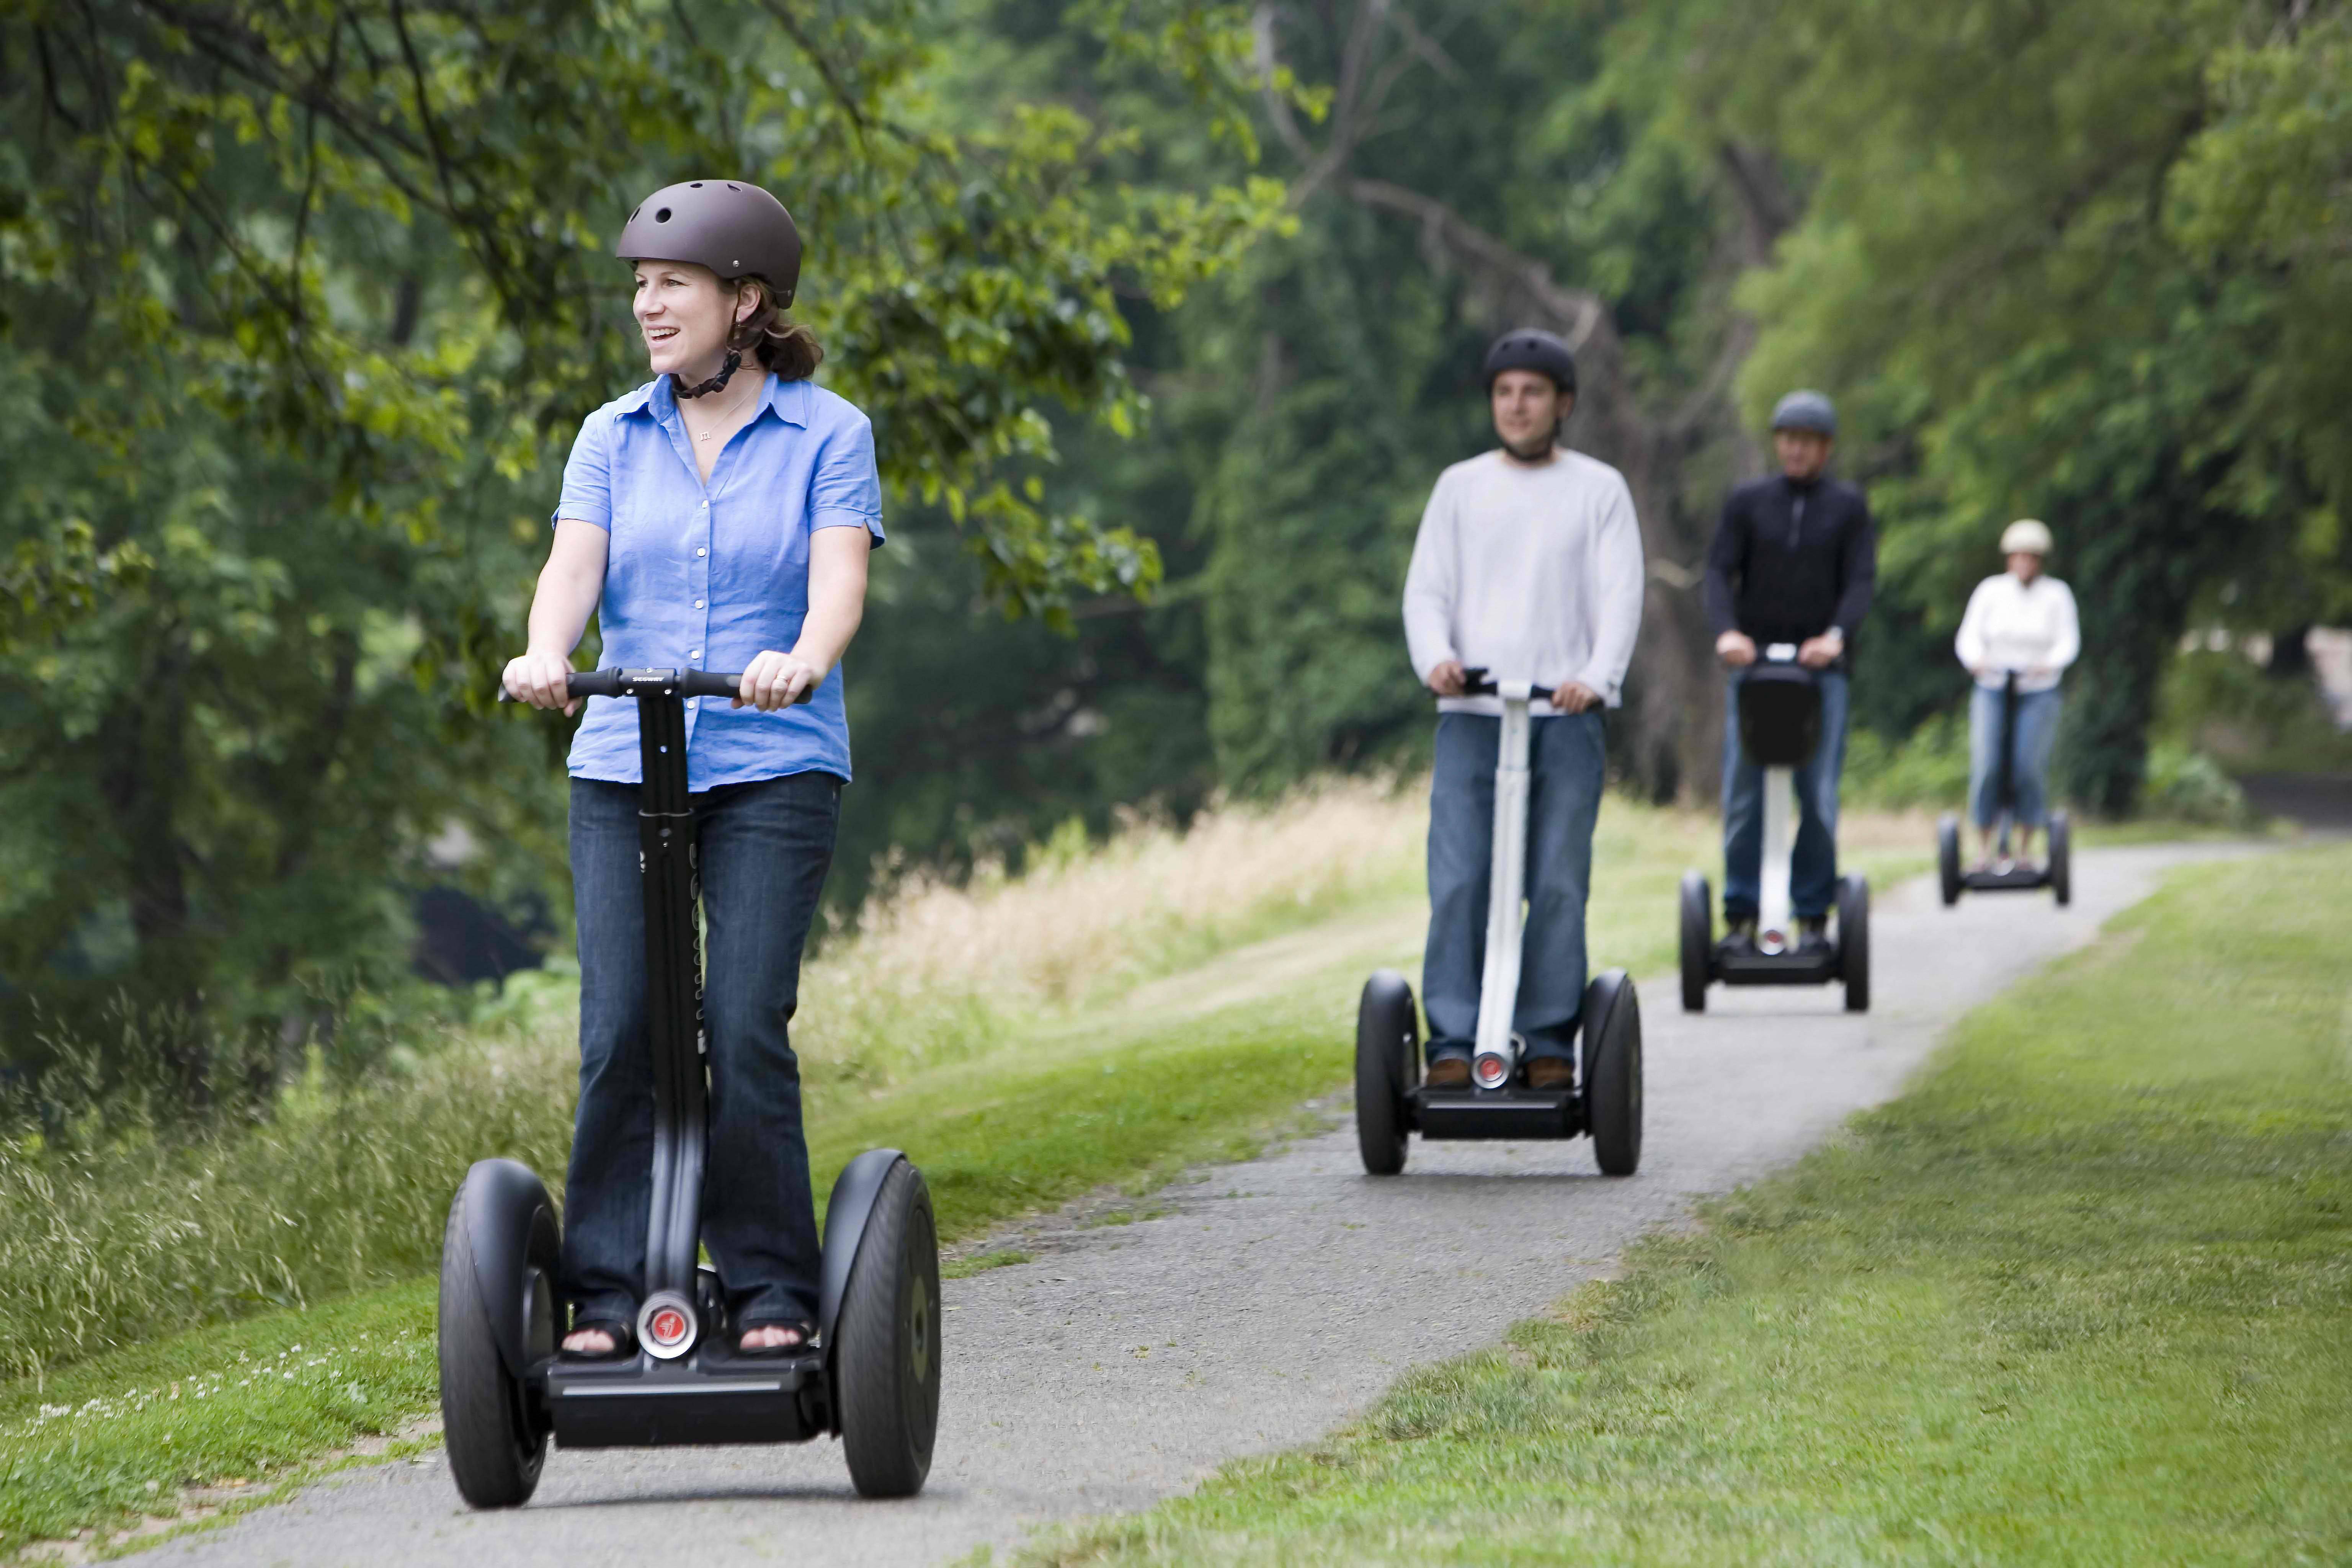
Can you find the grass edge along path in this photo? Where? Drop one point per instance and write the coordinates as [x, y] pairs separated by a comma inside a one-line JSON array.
[[2077, 1297]]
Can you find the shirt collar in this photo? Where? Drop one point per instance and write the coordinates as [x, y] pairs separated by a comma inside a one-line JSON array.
[[790, 399]]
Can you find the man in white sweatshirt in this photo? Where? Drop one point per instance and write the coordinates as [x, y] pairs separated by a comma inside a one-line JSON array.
[[1528, 564]]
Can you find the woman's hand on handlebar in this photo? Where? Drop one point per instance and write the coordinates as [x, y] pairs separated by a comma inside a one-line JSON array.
[[1448, 678], [539, 677], [776, 680]]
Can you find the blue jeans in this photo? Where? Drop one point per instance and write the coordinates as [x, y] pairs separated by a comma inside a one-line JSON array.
[[2037, 727], [1565, 757], [1812, 867], [765, 850]]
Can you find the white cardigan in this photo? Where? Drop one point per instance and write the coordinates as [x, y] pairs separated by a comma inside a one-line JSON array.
[[2020, 625]]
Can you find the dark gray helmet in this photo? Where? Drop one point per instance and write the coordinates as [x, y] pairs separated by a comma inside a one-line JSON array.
[[1805, 411], [1530, 348], [731, 226]]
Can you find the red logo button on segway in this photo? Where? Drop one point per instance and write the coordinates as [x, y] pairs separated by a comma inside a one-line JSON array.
[[668, 1326]]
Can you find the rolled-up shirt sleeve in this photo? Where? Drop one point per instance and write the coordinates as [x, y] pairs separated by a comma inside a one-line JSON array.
[[846, 489], [1619, 579], [588, 475], [1429, 586]]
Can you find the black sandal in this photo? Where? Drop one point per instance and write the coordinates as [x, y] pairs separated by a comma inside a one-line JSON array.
[[801, 1325], [624, 1338]]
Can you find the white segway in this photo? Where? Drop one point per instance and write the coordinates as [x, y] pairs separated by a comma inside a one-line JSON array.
[[1779, 727], [1393, 1103]]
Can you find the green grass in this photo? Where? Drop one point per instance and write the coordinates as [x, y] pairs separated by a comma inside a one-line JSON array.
[[347, 1196], [2079, 1296]]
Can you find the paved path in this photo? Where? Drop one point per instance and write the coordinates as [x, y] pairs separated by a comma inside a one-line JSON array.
[[1271, 1302]]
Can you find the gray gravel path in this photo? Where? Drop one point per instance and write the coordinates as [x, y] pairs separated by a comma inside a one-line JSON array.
[[1272, 1301]]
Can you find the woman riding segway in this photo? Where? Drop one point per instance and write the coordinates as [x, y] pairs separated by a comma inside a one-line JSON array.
[[721, 515], [2016, 639]]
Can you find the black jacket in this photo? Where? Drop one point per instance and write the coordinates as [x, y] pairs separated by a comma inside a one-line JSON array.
[[1790, 561]]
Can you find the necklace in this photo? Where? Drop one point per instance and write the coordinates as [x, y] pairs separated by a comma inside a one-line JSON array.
[[727, 418]]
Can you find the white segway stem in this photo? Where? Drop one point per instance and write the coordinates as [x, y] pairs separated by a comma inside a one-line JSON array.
[[1497, 1056], [1773, 922]]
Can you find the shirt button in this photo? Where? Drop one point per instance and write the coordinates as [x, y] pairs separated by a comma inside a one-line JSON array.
[[706, 506], [695, 654], [698, 603], [699, 550]]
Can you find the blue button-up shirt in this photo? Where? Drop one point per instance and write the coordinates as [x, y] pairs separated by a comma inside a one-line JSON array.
[[708, 576]]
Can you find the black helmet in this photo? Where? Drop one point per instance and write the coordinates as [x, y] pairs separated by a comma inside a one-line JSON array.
[[1805, 411], [731, 226], [1531, 348]]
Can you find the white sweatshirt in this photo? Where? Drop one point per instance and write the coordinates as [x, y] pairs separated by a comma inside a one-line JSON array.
[[2020, 625], [1534, 573]]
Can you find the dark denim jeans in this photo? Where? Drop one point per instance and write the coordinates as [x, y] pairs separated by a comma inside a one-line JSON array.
[[1813, 868], [2037, 727], [766, 848], [1566, 758]]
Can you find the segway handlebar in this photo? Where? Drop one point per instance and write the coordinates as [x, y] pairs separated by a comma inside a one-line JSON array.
[[1477, 682], [631, 682]]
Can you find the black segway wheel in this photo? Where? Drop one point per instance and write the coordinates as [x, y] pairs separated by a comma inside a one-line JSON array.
[[886, 1360], [1698, 940], [1612, 1072], [1854, 942], [2061, 871], [496, 1440], [1388, 1061], [1947, 857]]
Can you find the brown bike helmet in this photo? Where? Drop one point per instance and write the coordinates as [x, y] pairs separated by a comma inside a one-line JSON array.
[[731, 226]]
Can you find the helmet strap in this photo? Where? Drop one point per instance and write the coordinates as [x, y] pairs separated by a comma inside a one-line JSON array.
[[716, 383]]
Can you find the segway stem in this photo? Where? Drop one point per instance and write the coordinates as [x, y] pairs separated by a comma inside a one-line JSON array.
[[1496, 1053], [2005, 810]]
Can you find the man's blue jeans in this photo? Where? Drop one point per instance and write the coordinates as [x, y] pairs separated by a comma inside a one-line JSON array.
[[765, 850], [1567, 754], [1812, 870], [2037, 727]]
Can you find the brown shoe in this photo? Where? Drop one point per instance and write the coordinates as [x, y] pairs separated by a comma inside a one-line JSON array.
[[1549, 1073], [1448, 1072]]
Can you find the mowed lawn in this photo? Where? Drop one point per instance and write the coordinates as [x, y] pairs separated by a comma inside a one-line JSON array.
[[2083, 1296]]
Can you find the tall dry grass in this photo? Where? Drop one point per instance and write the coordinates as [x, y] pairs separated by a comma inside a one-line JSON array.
[[117, 1227]]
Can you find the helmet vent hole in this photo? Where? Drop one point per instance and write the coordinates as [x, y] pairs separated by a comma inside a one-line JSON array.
[[662, 216], [696, 186], [733, 187]]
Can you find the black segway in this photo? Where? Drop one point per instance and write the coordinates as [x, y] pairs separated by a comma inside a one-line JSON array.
[[1391, 1100], [872, 1376], [1779, 727], [2008, 875]]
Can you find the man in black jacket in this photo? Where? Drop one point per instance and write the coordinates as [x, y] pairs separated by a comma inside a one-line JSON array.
[[1794, 561]]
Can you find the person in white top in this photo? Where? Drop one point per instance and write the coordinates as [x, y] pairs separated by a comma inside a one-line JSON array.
[[2021, 622], [1528, 564]]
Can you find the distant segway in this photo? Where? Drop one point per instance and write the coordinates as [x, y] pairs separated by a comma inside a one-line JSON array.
[[1391, 1100], [872, 1376], [2008, 875], [1779, 727]]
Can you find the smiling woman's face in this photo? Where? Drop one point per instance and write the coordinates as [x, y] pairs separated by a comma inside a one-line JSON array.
[[686, 315]]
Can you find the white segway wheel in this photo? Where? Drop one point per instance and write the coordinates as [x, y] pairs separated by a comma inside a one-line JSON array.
[[1947, 857], [495, 1445], [1698, 940], [1612, 1072], [1388, 1061], [886, 1363], [2062, 870], [1854, 942]]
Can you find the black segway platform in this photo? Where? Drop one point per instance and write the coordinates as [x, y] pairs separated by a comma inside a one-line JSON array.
[[872, 1376], [2007, 876], [1779, 714], [1393, 1103]]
